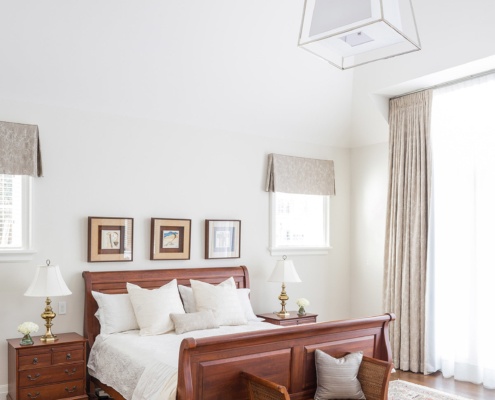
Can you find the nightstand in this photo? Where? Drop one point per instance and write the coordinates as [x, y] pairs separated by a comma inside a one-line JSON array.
[[291, 319], [48, 371]]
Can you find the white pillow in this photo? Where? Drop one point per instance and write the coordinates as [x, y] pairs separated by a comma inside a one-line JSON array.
[[221, 299], [153, 307], [246, 306], [115, 312], [187, 295]]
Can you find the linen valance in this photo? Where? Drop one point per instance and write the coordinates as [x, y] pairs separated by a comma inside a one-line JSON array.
[[300, 175], [20, 152]]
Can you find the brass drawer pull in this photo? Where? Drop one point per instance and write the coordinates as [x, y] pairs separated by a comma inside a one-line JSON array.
[[35, 377], [68, 356], [71, 390], [35, 360], [35, 396], [70, 372]]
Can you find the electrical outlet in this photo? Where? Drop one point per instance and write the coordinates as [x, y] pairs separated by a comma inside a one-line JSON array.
[[62, 307]]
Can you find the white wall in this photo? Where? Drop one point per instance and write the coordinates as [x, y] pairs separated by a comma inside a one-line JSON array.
[[102, 165], [369, 177]]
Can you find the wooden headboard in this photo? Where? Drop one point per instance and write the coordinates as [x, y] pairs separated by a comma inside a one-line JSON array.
[[115, 282]]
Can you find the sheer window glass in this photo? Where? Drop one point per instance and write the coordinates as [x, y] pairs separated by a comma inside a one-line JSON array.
[[299, 223], [461, 271], [15, 217]]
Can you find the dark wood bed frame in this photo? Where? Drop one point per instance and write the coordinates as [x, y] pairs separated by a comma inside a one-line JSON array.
[[209, 368]]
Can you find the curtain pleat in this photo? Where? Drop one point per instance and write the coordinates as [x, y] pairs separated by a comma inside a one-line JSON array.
[[407, 227]]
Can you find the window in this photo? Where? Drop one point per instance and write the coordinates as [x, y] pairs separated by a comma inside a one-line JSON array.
[[460, 252], [299, 224], [299, 196], [15, 217]]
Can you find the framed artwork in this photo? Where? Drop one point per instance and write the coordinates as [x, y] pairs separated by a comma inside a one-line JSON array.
[[110, 239], [170, 239], [223, 238]]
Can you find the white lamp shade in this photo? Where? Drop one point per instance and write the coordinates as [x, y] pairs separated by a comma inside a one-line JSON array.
[[48, 282], [348, 33], [284, 271]]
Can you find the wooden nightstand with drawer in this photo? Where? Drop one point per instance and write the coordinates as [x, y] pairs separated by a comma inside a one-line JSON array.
[[48, 371], [292, 319]]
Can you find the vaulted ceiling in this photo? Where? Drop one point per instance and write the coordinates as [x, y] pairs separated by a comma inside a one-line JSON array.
[[228, 65]]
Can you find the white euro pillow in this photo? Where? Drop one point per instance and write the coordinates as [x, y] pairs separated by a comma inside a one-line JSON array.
[[221, 299], [243, 294], [187, 295], [153, 307], [115, 313]]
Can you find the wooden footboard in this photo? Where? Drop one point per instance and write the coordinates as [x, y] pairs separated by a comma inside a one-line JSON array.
[[209, 368]]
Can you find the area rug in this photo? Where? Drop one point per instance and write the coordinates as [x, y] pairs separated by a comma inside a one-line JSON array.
[[401, 390]]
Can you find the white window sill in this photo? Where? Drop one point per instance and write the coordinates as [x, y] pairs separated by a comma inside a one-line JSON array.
[[17, 255], [292, 251]]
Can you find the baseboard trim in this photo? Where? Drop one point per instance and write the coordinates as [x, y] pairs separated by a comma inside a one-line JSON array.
[[4, 389]]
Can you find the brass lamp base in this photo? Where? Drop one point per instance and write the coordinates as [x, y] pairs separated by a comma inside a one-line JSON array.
[[48, 315], [48, 338], [283, 300], [282, 314]]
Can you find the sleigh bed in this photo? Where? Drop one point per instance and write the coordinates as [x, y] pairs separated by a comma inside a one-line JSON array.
[[210, 368]]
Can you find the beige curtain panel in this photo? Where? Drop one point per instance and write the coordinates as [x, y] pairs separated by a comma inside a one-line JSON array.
[[20, 152], [407, 227], [299, 175]]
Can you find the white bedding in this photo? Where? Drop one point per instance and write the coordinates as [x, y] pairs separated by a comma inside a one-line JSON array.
[[145, 367]]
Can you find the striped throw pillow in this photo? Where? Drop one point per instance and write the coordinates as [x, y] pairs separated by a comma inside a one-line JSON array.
[[337, 377]]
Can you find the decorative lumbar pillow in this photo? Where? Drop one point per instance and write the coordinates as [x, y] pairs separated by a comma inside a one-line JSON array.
[[153, 307], [194, 321], [221, 299], [337, 377], [115, 313]]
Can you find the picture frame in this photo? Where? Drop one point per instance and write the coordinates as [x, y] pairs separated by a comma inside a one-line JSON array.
[[222, 238], [110, 239], [170, 239]]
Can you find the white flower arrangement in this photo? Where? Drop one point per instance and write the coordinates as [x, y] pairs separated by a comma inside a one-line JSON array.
[[302, 302], [27, 327]]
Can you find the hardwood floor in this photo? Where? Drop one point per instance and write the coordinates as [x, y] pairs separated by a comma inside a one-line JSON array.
[[437, 381]]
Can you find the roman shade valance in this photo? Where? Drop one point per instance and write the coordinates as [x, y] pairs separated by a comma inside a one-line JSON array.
[[20, 152], [300, 175]]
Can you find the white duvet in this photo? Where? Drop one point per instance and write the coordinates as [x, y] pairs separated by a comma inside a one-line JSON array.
[[145, 367]]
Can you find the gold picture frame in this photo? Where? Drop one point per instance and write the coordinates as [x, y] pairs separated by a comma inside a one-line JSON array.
[[110, 239], [170, 239]]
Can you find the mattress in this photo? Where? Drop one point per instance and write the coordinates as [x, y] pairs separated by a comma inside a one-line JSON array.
[[145, 367]]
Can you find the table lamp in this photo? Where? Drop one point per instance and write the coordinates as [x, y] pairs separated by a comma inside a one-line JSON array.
[[284, 272], [48, 282]]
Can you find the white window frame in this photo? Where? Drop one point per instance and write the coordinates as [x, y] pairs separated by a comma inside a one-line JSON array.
[[24, 252], [279, 250]]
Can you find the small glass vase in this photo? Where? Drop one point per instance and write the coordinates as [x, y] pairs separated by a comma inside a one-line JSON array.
[[27, 340], [301, 311]]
